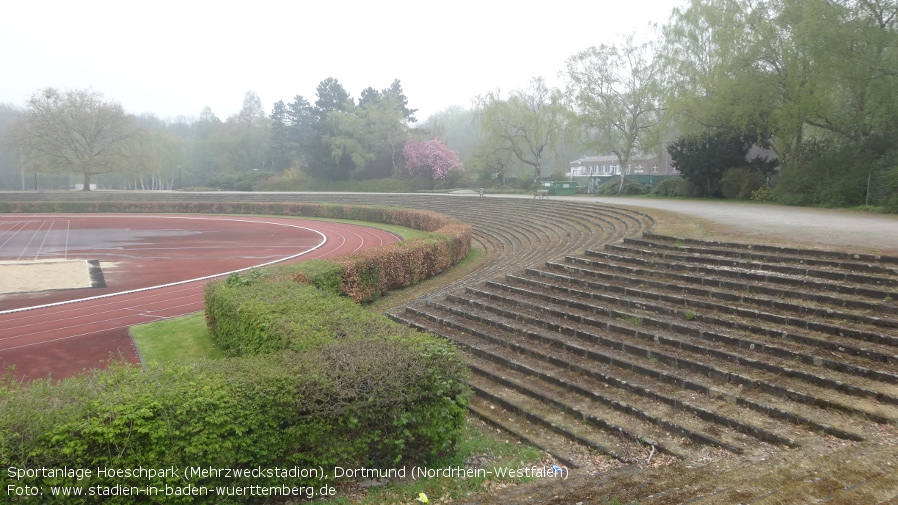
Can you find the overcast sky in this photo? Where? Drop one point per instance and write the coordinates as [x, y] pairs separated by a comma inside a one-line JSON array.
[[174, 58]]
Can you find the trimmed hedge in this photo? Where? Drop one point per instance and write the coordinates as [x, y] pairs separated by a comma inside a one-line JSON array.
[[374, 402], [262, 314], [413, 218]]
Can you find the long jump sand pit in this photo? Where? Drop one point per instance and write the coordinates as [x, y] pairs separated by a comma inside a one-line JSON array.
[[46, 275]]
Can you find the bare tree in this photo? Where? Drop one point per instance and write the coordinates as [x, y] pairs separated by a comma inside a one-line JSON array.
[[528, 124], [73, 132], [617, 93]]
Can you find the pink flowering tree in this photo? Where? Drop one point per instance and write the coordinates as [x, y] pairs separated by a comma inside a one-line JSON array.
[[431, 158]]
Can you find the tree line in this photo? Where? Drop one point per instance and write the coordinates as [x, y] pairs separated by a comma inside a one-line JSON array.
[[79, 134], [795, 97]]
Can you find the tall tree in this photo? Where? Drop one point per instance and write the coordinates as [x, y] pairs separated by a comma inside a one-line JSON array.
[[243, 143], [330, 157], [359, 141], [785, 69], [202, 162], [617, 93], [300, 116], [371, 135], [76, 131], [528, 124], [281, 150], [369, 95], [154, 159], [331, 96], [703, 159], [395, 90]]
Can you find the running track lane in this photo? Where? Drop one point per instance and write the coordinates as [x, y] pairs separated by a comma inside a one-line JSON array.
[[63, 339]]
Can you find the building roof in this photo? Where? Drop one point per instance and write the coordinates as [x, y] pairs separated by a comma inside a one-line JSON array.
[[611, 159]]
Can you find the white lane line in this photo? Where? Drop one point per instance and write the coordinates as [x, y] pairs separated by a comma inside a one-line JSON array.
[[33, 234], [105, 320], [47, 235], [23, 224], [119, 326], [207, 277], [9, 226], [65, 252], [66, 315]]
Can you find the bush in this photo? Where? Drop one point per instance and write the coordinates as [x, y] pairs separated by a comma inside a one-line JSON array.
[[825, 178], [631, 187], [741, 182], [830, 174], [268, 316], [242, 181], [358, 403], [762, 194], [674, 186]]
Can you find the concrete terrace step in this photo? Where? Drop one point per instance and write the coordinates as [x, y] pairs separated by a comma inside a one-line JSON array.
[[778, 300], [644, 368], [621, 443], [751, 273], [619, 389], [575, 413], [714, 314], [660, 246], [858, 369], [559, 447], [685, 373], [749, 248], [620, 330]]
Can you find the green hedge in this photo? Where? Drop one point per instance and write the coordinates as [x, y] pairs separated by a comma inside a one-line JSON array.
[[260, 314], [375, 402]]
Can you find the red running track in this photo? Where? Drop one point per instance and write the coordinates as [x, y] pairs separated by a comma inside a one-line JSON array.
[[154, 267]]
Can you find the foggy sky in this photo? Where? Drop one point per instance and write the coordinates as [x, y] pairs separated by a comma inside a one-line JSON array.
[[177, 57]]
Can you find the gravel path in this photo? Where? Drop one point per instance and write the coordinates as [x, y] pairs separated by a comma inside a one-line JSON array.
[[750, 222]]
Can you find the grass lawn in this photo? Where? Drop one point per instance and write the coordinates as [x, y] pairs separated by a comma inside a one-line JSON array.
[[179, 339]]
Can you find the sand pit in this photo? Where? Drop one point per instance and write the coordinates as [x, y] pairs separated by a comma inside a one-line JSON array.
[[29, 276]]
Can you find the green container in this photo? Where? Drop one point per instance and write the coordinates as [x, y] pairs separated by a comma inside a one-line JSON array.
[[561, 188]]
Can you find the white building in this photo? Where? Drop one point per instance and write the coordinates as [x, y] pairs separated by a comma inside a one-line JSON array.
[[608, 165]]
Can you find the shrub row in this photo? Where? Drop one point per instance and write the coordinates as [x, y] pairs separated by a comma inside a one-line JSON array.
[[367, 274], [255, 314], [373, 402], [412, 218]]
